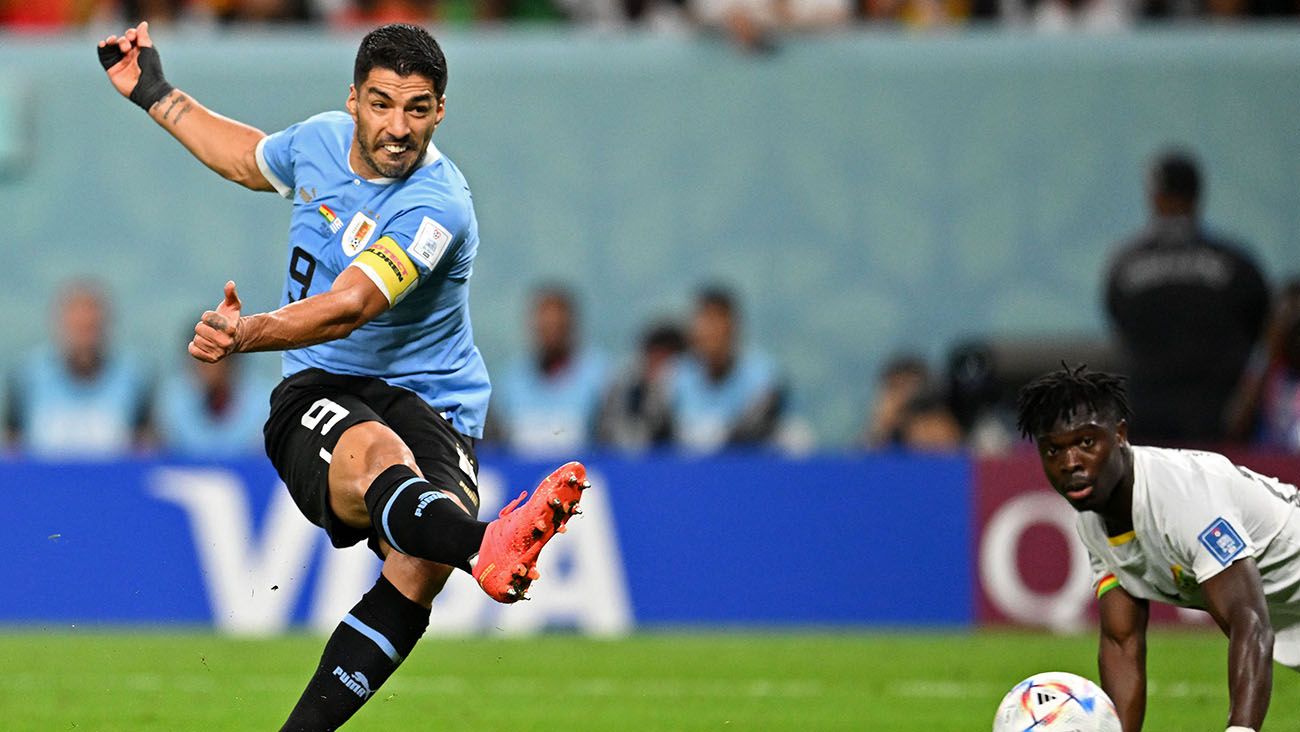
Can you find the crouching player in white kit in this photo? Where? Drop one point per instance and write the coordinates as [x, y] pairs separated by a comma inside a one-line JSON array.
[[1184, 527]]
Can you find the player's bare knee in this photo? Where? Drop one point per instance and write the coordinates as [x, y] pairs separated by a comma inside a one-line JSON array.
[[363, 452]]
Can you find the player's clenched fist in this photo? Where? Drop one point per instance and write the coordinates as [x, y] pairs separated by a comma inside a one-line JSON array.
[[134, 67], [217, 333]]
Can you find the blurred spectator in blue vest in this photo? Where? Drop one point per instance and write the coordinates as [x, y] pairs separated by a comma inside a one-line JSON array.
[[546, 404], [724, 395], [212, 410], [637, 410], [76, 397]]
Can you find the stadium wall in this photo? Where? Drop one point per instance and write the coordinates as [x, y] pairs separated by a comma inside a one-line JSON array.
[[865, 192]]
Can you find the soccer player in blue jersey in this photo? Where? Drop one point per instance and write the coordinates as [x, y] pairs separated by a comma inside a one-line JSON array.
[[373, 427]]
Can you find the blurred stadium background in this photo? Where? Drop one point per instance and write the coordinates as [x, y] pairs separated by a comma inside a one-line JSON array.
[[866, 191]]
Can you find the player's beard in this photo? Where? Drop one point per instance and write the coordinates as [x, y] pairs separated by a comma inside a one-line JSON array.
[[372, 154]]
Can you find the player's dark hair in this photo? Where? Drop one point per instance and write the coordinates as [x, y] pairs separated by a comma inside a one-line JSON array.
[[404, 49], [555, 292], [83, 287], [664, 335], [716, 296], [1058, 395], [1176, 174], [904, 364]]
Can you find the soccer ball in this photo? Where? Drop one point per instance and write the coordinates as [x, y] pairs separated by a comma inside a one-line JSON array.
[[1056, 702]]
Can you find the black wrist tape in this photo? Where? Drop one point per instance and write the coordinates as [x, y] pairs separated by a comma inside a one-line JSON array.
[[151, 86]]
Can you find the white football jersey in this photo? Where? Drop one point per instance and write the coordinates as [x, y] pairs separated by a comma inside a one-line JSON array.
[[1194, 514]]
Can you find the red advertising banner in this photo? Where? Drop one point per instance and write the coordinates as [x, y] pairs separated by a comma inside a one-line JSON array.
[[1031, 569]]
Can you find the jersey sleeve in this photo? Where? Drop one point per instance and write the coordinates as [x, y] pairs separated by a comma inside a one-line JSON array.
[[413, 245], [1103, 579], [1206, 528], [275, 154]]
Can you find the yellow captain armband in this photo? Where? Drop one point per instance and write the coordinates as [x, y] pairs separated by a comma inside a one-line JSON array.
[[388, 266], [1107, 583]]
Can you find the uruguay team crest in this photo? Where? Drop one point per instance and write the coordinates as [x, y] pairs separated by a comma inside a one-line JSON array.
[[358, 234]]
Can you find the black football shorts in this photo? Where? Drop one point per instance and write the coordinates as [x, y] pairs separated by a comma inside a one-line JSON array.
[[312, 408]]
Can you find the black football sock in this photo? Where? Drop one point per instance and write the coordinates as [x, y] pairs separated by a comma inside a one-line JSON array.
[[418, 519], [362, 653]]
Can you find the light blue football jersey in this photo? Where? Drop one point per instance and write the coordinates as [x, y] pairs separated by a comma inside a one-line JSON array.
[[424, 222]]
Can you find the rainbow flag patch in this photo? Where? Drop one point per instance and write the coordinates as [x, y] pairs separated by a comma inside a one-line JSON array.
[[1107, 583]]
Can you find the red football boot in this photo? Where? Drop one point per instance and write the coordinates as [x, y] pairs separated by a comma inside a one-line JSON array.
[[507, 558]]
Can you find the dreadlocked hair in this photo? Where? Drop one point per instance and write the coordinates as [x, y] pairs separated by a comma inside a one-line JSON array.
[[1057, 395]]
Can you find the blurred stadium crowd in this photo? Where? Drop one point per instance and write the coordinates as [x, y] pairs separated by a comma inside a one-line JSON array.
[[751, 23], [1213, 356], [692, 385]]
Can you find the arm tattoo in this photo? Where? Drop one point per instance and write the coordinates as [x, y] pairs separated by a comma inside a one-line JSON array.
[[163, 99], [181, 113], [175, 98]]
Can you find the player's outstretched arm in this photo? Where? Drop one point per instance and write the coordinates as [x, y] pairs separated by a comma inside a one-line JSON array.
[[351, 302], [1235, 598], [1122, 655], [224, 145]]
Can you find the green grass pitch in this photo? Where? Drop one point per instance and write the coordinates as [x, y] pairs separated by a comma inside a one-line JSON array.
[[936, 682]]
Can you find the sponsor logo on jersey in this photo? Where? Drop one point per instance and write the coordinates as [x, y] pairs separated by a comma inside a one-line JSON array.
[[1222, 540], [334, 222], [426, 498], [356, 682], [306, 195], [430, 242], [358, 234]]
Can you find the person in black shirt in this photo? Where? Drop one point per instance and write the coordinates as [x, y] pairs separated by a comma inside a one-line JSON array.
[[1187, 308]]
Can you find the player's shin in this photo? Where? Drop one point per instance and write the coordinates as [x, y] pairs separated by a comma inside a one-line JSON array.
[[419, 520], [362, 653]]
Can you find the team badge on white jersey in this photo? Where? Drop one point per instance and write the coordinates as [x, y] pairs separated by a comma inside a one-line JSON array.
[[1222, 541], [358, 234]]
